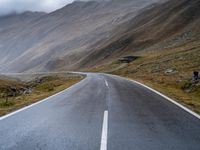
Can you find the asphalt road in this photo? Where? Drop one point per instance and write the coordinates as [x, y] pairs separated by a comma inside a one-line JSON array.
[[102, 112]]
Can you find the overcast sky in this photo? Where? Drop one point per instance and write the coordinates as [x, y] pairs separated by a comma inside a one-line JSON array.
[[9, 6]]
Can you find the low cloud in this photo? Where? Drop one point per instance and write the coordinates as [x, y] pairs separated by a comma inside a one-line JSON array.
[[18, 6]]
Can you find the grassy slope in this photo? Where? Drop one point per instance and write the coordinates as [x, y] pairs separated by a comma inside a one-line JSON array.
[[48, 86], [151, 68]]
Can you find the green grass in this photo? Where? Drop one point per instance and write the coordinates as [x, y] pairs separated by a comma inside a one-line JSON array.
[[4, 103], [46, 87]]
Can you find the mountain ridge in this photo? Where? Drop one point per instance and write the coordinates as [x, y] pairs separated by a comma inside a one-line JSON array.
[[85, 34]]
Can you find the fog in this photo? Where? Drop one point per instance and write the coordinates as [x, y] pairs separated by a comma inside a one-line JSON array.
[[18, 6]]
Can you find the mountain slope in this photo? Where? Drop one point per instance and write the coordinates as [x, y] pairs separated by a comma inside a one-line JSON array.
[[12, 43], [64, 36], [85, 34], [161, 26]]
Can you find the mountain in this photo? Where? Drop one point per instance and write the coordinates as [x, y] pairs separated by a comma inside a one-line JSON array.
[[160, 26], [61, 38], [85, 34]]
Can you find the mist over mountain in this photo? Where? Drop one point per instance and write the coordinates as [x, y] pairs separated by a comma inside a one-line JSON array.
[[84, 34], [20, 6], [8, 7]]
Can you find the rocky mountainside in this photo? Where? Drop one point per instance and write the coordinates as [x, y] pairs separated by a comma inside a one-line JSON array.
[[61, 38], [84, 34], [160, 26]]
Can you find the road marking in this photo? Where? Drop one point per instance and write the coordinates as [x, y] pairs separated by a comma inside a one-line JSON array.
[[34, 104], [106, 83], [169, 99], [164, 96], [104, 131]]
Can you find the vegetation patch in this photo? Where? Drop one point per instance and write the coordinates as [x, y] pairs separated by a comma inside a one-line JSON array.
[[6, 103], [17, 94]]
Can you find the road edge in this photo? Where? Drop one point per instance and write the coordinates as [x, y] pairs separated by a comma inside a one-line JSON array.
[[39, 102], [169, 99], [162, 95]]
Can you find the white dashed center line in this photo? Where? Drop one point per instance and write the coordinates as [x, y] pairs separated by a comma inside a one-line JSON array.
[[106, 83], [104, 131]]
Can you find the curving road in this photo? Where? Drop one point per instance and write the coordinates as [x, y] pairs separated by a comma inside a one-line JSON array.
[[102, 112]]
